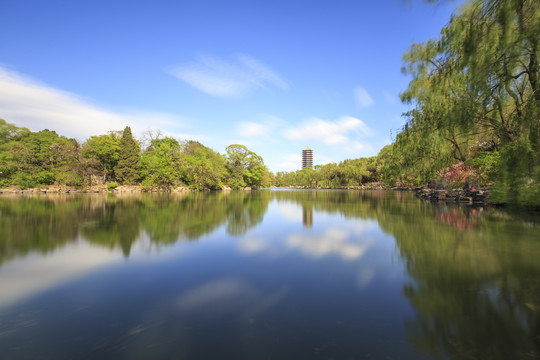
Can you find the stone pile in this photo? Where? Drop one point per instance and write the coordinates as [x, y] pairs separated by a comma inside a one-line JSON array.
[[465, 196]]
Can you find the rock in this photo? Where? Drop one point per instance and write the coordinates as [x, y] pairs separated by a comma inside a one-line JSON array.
[[466, 195]]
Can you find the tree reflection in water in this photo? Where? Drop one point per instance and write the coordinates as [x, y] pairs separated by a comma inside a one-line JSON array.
[[45, 223], [474, 273]]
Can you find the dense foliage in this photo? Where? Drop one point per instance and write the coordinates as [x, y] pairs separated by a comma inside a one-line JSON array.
[[33, 159], [127, 169], [475, 98], [347, 173]]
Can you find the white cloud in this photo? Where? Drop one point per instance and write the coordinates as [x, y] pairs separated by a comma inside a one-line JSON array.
[[228, 79], [362, 98], [390, 99], [26, 102], [345, 137], [261, 72], [358, 147], [332, 242], [329, 132], [252, 129], [290, 162]]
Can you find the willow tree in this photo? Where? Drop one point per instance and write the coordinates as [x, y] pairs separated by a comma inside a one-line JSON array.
[[476, 87]]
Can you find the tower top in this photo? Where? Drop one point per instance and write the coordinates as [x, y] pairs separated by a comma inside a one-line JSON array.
[[307, 148]]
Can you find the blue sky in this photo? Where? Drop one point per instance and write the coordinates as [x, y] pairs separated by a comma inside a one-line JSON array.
[[276, 76]]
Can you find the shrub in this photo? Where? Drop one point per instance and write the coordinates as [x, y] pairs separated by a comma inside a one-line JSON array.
[[23, 180], [45, 178], [489, 162], [69, 178], [112, 186]]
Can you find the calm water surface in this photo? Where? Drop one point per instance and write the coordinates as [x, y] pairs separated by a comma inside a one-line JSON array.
[[266, 275]]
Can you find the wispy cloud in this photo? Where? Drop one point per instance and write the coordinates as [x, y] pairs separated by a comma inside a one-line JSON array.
[[262, 128], [347, 135], [358, 147], [235, 78], [362, 98], [252, 129], [260, 72], [329, 132], [29, 103], [290, 162]]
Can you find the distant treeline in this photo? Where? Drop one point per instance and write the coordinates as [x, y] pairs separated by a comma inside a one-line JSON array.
[[348, 172], [32, 159]]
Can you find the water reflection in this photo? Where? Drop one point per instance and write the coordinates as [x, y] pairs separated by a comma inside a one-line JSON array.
[[307, 216], [475, 285], [45, 223], [289, 260], [474, 272], [32, 275]]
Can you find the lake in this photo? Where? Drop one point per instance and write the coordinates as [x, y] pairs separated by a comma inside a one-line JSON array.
[[271, 274]]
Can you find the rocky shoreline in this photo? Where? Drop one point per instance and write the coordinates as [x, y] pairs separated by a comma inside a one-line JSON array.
[[344, 187], [462, 196], [97, 189], [89, 190]]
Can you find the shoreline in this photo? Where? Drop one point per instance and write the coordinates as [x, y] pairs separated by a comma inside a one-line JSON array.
[[97, 189], [465, 197]]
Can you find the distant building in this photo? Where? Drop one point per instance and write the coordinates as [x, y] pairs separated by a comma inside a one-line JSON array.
[[307, 158]]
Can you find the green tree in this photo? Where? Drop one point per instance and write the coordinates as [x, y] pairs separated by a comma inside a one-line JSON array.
[[160, 163], [127, 169], [202, 167], [29, 159], [245, 167], [102, 153], [475, 90], [10, 132]]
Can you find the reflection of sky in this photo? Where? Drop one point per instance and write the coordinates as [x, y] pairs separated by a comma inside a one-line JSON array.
[[278, 280], [281, 234], [35, 273], [331, 235], [357, 246], [229, 294]]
